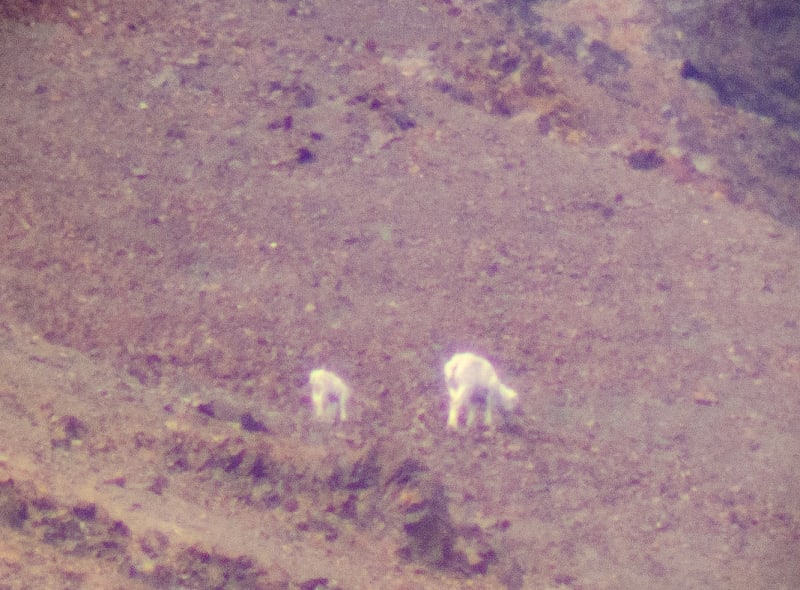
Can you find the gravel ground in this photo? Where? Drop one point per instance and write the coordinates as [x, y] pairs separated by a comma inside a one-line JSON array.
[[201, 202]]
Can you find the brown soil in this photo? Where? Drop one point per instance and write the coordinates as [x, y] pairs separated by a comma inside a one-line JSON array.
[[203, 201]]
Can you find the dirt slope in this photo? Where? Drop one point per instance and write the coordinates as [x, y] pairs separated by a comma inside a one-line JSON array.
[[201, 202]]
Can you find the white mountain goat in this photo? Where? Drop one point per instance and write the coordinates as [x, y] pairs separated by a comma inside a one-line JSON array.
[[473, 382], [329, 395]]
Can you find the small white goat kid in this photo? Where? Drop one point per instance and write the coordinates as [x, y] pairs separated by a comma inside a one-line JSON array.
[[473, 382], [329, 394]]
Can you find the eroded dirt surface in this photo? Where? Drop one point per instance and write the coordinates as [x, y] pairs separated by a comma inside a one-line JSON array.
[[203, 201]]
